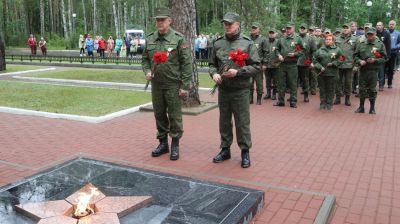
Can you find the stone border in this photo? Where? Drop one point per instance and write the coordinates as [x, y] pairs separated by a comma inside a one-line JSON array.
[[28, 71], [88, 119], [321, 218], [139, 87]]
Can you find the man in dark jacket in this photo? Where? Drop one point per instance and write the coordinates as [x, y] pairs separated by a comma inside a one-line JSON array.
[[384, 36]]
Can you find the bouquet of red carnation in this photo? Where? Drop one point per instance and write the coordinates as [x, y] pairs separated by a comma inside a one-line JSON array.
[[297, 48], [341, 58], [158, 58], [239, 58], [377, 54], [307, 62]]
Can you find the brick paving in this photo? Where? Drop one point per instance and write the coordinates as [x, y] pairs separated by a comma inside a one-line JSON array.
[[351, 156]]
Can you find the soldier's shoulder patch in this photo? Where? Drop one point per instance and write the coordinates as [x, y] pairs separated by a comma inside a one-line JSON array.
[[184, 45], [246, 37]]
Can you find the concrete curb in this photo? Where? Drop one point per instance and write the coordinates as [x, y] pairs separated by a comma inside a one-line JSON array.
[[88, 119], [28, 71]]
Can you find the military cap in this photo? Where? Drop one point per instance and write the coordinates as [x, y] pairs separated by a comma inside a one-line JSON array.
[[162, 13], [283, 30], [271, 30], [327, 30], [256, 25], [338, 30], [346, 25], [368, 25], [290, 24], [311, 28], [304, 25], [371, 30], [231, 17]]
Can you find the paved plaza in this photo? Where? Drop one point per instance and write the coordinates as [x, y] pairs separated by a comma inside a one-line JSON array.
[[304, 159]]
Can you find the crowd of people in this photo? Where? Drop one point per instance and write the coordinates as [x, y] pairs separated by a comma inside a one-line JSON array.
[[127, 47], [351, 60]]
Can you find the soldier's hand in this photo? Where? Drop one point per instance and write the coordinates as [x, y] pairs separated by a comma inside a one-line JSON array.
[[281, 58], [329, 65], [291, 54], [231, 73], [183, 92], [217, 78], [322, 69], [362, 62], [149, 76], [312, 65], [264, 67], [371, 60]]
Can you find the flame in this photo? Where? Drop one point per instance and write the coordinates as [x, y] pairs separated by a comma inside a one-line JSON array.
[[83, 202]]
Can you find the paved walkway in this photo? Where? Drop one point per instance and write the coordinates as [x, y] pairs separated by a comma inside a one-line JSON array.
[[296, 153]]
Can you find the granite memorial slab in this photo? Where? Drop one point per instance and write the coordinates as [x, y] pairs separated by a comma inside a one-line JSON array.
[[126, 195]]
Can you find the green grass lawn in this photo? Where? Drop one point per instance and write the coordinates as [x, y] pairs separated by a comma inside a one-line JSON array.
[[69, 100], [19, 68], [110, 75]]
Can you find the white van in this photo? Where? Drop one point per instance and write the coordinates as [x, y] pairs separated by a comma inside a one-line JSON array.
[[137, 33]]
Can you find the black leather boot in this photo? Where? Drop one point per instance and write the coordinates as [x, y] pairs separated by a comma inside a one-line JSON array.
[[360, 109], [223, 155], [162, 148], [347, 101], [259, 96], [337, 100], [293, 104], [251, 97], [174, 149], [245, 158], [306, 99], [372, 108], [268, 95]]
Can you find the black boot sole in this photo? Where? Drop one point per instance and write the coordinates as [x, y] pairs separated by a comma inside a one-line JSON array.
[[159, 154], [221, 160]]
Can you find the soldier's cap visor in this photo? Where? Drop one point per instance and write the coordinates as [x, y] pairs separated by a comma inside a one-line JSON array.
[[231, 17]]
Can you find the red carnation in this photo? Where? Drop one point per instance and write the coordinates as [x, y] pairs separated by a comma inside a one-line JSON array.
[[238, 57], [341, 58], [378, 54], [307, 62], [298, 48], [160, 57]]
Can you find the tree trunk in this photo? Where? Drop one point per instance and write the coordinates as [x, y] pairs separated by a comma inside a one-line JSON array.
[[94, 18], [184, 21], [64, 19], [125, 15], [293, 14], [51, 17], [84, 16], [323, 13], [313, 11], [2, 52], [5, 18], [70, 18], [42, 18], [115, 18]]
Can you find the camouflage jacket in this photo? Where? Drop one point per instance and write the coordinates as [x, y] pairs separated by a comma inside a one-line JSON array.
[[348, 45], [177, 70], [288, 44], [326, 55], [219, 60], [273, 61], [261, 44], [375, 49], [309, 49]]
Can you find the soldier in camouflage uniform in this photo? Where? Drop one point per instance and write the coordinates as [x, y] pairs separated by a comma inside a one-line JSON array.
[[304, 61], [288, 48], [233, 87], [169, 81], [318, 42], [370, 54], [326, 61], [272, 65], [347, 43], [260, 43]]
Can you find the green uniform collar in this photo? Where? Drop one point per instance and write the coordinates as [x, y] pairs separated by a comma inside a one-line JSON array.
[[372, 43], [168, 36]]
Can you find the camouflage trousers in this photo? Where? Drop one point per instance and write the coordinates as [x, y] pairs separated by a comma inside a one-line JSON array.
[[304, 74], [258, 79], [343, 83], [271, 76], [287, 78], [234, 103], [326, 89], [367, 83], [167, 111], [313, 80]]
